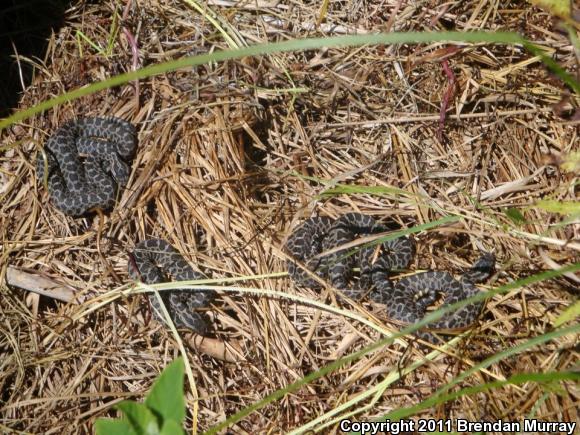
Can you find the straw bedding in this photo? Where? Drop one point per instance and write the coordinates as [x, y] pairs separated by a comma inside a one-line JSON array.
[[232, 156]]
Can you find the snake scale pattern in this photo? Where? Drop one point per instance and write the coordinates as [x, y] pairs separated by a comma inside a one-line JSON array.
[[87, 163], [407, 300], [155, 261]]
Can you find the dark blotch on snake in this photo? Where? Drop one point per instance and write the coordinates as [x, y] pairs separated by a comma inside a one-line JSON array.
[[87, 161], [406, 300]]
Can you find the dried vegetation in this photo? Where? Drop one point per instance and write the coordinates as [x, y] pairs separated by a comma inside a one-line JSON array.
[[233, 155]]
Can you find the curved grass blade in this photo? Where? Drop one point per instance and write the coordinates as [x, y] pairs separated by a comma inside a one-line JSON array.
[[540, 378], [294, 45], [411, 328]]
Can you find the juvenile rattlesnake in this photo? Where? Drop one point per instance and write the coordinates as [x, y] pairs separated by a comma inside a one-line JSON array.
[[406, 300], [76, 184], [154, 261]]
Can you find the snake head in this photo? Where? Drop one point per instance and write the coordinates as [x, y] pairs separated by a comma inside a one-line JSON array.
[[481, 269]]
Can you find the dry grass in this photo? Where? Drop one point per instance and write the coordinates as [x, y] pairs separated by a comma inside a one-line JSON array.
[[220, 172]]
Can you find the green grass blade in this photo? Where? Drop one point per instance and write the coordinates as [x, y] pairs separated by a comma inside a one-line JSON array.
[[438, 397], [291, 45], [213, 18], [411, 328], [98, 49], [543, 378]]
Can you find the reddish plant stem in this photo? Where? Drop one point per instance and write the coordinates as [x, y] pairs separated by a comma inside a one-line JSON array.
[[447, 97], [134, 49]]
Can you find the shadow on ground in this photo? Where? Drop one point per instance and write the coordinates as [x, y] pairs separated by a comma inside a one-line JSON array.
[[25, 26]]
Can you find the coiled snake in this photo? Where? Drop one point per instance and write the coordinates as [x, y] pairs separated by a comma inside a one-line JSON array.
[[87, 163], [154, 261], [407, 300]]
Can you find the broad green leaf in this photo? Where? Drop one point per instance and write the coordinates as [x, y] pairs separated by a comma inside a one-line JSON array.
[[170, 427], [108, 426], [141, 418], [515, 215], [166, 396], [571, 313]]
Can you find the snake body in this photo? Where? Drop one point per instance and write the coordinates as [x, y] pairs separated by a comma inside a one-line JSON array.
[[87, 163], [155, 261], [320, 234], [408, 299]]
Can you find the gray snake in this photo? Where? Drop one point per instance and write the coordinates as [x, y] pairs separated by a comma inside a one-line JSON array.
[[87, 163], [154, 261], [406, 300]]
